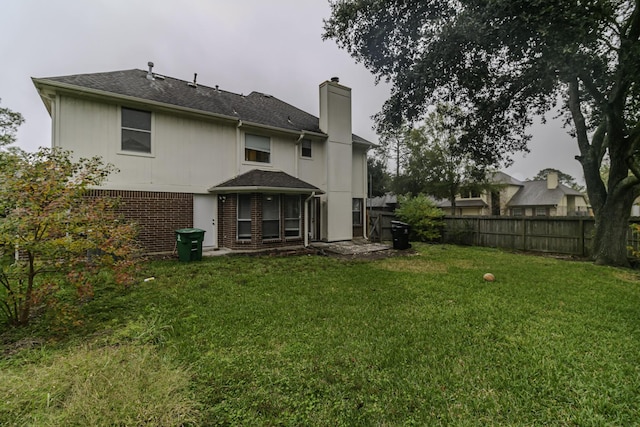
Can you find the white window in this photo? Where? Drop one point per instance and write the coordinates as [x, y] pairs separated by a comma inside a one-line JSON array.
[[136, 130], [292, 216], [244, 216], [271, 216], [357, 212], [306, 148], [257, 148], [541, 211]]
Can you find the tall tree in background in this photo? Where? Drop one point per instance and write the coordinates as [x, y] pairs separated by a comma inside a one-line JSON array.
[[378, 176], [9, 123], [392, 147], [563, 178], [434, 166], [501, 62]]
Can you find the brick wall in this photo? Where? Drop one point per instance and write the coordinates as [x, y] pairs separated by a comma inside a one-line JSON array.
[[158, 215], [228, 226]]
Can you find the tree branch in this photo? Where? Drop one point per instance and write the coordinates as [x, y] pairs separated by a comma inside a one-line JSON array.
[[591, 87], [632, 27], [578, 118]]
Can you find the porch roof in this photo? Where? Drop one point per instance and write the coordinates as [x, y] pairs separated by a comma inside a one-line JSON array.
[[262, 181], [464, 203]]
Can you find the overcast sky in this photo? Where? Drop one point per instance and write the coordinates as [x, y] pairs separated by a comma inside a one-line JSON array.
[[270, 46]]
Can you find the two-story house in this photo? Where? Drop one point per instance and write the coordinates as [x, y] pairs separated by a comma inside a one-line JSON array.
[[251, 170], [512, 197]]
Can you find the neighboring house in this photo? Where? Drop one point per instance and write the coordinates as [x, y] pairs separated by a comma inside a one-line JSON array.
[[548, 198], [486, 203], [387, 203], [252, 171], [522, 198]]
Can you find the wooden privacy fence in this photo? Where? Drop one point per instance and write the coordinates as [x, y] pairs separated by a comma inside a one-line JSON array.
[[380, 225], [562, 235]]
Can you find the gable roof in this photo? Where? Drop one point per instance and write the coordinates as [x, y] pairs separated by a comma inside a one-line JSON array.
[[388, 200], [536, 193], [257, 180], [503, 178], [255, 108]]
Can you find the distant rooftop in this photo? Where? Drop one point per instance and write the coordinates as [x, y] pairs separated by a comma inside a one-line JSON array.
[[536, 193]]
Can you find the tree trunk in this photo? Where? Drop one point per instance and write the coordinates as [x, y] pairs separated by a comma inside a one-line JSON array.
[[612, 228]]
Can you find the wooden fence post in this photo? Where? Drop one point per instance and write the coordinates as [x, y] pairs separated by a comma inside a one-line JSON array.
[[582, 248]]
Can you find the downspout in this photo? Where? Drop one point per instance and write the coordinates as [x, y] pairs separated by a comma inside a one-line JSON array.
[[238, 147], [297, 154], [306, 219], [55, 127], [365, 219]]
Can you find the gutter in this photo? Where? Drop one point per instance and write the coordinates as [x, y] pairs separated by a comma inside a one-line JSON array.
[[296, 165], [101, 94], [263, 189], [69, 89]]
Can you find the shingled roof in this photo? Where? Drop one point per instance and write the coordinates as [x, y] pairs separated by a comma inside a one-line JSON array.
[[255, 108], [536, 193], [257, 180]]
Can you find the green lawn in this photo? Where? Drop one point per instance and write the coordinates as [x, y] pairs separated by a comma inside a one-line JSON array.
[[309, 340]]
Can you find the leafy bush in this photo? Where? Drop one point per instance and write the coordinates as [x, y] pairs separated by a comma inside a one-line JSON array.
[[54, 236], [421, 213]]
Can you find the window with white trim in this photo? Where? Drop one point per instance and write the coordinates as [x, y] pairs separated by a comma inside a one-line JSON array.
[[271, 216], [244, 217], [306, 148], [257, 148], [136, 130], [292, 216], [357, 212]]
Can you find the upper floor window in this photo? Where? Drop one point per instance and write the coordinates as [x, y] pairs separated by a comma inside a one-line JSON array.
[[136, 130], [306, 148], [257, 148], [471, 194]]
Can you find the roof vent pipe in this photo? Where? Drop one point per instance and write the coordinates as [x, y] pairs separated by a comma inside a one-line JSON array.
[[150, 72], [335, 79], [194, 84]]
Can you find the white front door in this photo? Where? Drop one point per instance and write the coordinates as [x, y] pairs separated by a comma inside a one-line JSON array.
[[205, 210]]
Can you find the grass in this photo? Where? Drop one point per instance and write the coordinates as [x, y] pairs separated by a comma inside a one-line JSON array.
[[410, 340]]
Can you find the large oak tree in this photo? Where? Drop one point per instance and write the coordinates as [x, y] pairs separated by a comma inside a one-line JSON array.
[[502, 62]]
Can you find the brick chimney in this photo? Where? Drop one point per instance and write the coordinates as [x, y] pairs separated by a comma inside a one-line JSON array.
[[552, 181]]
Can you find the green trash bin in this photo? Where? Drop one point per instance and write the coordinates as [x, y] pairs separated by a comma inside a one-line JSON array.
[[189, 244]]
